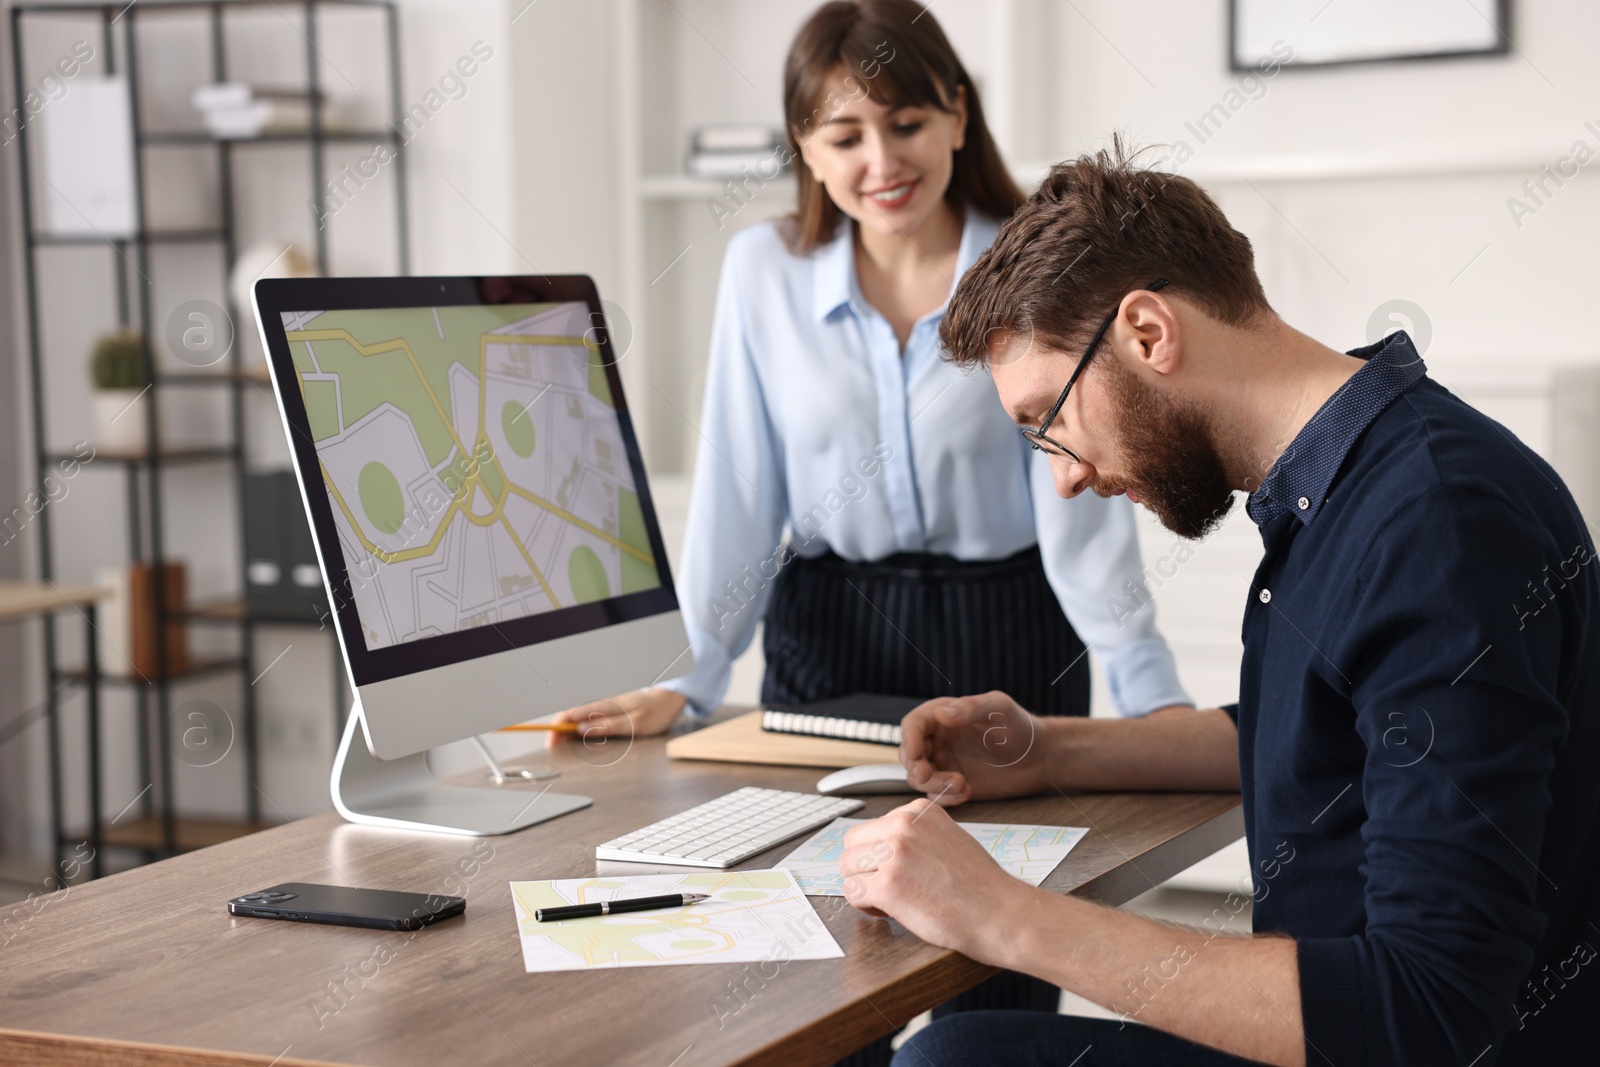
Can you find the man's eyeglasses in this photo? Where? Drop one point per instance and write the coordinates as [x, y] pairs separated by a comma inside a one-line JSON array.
[[1039, 438]]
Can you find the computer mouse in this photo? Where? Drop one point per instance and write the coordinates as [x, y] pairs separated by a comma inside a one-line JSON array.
[[871, 778]]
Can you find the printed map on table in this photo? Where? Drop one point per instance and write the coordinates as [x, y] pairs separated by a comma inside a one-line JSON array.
[[1026, 852], [474, 462], [753, 916]]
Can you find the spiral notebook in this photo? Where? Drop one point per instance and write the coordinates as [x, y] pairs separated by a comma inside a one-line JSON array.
[[871, 717]]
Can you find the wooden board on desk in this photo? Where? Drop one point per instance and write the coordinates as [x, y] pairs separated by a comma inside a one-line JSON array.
[[742, 740]]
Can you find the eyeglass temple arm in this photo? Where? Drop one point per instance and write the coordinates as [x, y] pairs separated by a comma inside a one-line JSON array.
[[1099, 335]]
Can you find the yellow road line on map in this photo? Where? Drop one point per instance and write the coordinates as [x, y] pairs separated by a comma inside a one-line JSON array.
[[537, 573], [512, 487], [557, 509], [389, 557], [485, 339], [536, 339], [481, 520], [399, 344], [483, 393]]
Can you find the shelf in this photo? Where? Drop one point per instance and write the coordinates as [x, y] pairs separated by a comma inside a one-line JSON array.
[[150, 237], [233, 610], [229, 610], [1331, 167], [182, 138], [198, 667], [256, 373], [190, 454], [145, 833], [143, 248], [153, 6], [687, 187]]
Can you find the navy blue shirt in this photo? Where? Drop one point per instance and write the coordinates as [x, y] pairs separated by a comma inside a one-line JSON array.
[[1419, 731]]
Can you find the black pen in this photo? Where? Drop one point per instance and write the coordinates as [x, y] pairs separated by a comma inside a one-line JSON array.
[[614, 907]]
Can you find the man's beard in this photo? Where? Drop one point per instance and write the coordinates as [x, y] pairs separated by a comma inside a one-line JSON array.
[[1174, 464]]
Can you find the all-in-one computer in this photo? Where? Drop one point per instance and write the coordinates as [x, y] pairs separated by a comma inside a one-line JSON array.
[[482, 519]]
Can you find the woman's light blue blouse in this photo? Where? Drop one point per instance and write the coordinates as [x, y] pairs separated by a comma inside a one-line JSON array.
[[817, 433]]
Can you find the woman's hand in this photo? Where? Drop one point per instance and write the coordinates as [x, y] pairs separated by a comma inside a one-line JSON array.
[[978, 747], [639, 713]]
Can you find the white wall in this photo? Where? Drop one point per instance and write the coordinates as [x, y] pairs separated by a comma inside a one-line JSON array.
[[1359, 186], [1429, 153], [563, 139]]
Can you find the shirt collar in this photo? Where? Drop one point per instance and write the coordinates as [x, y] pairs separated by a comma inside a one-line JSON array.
[[1299, 481], [834, 282]]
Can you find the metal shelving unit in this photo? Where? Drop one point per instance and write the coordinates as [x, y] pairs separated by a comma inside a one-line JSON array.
[[157, 831]]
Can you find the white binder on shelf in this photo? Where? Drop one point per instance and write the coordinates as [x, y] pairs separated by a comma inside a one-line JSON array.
[[88, 161]]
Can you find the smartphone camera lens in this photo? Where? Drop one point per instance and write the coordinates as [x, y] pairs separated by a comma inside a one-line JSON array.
[[274, 896]]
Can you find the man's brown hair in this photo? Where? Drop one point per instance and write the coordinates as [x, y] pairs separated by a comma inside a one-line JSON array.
[[1098, 228]]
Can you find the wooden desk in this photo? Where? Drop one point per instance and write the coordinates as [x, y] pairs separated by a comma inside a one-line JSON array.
[[147, 968]]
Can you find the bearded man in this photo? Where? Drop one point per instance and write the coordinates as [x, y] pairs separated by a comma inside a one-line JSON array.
[[1418, 726]]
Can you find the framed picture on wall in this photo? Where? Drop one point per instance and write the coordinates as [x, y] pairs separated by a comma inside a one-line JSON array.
[[1320, 33]]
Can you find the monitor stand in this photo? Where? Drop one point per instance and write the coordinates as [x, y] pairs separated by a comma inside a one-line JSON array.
[[403, 794]]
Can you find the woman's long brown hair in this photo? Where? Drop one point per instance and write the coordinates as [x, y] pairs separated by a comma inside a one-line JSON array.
[[895, 52]]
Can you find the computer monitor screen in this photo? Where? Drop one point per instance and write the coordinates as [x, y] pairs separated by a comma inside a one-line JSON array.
[[475, 462], [468, 465]]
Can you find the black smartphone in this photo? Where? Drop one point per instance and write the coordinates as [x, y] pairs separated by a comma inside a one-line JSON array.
[[344, 905]]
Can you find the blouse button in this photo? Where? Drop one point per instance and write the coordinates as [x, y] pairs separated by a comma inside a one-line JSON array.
[[1266, 596], [1304, 503]]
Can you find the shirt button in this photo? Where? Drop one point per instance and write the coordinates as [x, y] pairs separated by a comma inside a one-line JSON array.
[[1266, 596], [1304, 503]]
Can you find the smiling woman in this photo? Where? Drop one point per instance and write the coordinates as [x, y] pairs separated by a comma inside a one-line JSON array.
[[908, 69], [952, 570]]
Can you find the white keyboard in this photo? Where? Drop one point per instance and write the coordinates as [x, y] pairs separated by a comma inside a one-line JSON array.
[[729, 829]]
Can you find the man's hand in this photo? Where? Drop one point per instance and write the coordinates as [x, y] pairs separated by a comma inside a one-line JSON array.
[[639, 713], [917, 866], [979, 747], [987, 748]]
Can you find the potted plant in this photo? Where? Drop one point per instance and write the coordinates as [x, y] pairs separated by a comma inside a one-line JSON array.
[[121, 407]]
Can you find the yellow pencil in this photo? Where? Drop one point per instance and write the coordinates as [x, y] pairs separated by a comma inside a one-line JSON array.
[[558, 727]]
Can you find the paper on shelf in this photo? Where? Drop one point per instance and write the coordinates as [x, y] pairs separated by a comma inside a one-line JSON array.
[[753, 916], [1023, 851], [88, 161]]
